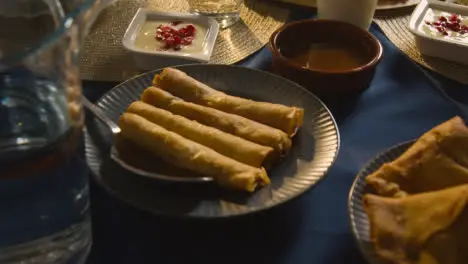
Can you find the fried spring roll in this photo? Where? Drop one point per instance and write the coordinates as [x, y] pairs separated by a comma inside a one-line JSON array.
[[185, 153], [229, 123], [224, 143], [178, 83]]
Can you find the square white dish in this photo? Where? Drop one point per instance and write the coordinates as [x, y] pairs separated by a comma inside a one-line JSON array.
[[432, 43], [146, 59]]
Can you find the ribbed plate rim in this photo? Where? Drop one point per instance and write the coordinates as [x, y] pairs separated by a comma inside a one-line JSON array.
[[321, 169], [355, 208]]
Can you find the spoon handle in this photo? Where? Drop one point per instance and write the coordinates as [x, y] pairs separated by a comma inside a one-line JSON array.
[[99, 114]]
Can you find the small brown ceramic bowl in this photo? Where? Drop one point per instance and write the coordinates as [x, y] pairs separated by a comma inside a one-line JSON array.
[[332, 86]]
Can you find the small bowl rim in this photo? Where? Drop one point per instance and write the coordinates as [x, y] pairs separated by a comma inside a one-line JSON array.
[[376, 58]]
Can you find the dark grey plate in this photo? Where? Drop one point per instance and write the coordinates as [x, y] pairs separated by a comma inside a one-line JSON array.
[[315, 148], [357, 215]]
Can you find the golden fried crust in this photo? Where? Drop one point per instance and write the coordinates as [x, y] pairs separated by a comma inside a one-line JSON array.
[[188, 154], [224, 143], [426, 228], [229, 123], [285, 118], [435, 161]]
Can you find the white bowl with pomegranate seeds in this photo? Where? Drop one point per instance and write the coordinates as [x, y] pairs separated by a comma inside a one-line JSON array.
[[441, 30], [161, 39]]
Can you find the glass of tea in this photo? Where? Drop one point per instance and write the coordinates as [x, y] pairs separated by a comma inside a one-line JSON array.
[[44, 197], [226, 12]]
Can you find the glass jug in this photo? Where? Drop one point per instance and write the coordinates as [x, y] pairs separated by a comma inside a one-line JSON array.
[[44, 196]]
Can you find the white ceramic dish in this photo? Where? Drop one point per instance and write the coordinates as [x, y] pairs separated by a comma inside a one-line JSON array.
[[153, 59], [453, 48]]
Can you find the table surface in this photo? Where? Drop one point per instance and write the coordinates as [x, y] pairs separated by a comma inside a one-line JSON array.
[[402, 102]]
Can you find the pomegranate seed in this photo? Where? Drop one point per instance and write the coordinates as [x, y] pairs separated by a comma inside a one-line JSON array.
[[187, 41], [453, 17], [190, 29], [175, 38], [169, 42], [452, 23]]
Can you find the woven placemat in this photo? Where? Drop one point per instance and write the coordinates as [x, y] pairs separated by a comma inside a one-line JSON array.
[[103, 57], [395, 24], [396, 28]]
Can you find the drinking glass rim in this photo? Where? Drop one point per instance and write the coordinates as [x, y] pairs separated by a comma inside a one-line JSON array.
[[65, 25]]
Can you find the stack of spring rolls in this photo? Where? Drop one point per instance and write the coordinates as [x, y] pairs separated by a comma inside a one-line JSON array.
[[191, 125]]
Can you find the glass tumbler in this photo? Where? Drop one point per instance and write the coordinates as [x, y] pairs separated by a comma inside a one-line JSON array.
[[226, 12], [44, 198], [87, 11], [356, 12]]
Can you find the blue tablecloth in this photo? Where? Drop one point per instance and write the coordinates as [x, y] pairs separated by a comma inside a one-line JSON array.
[[401, 104]]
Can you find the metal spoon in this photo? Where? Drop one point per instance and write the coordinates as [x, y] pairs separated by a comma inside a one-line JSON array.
[[100, 115]]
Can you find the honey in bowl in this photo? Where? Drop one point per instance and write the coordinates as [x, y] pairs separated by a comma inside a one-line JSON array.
[[330, 57]]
